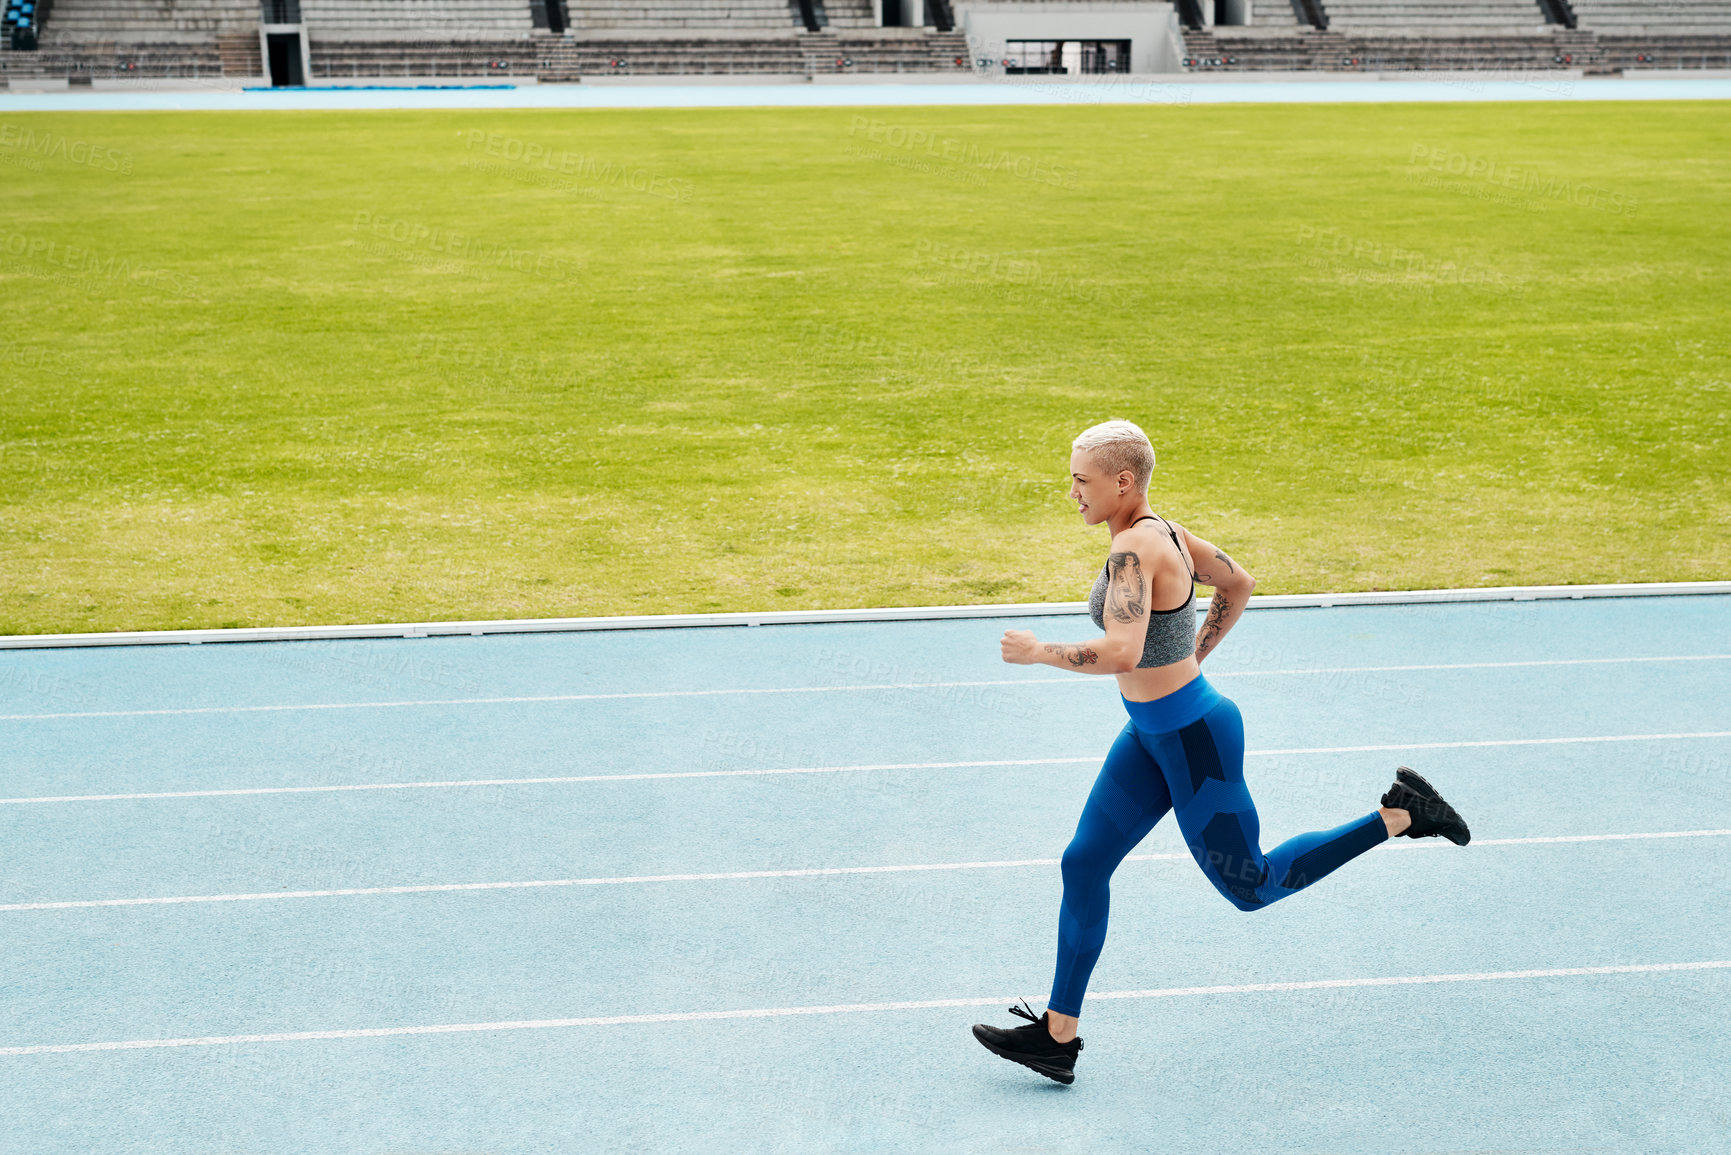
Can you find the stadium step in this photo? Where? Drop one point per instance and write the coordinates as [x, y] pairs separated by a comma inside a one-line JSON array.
[[822, 53], [1454, 17], [1677, 50], [239, 54], [115, 60], [1358, 52], [601, 16], [1674, 17], [398, 20], [573, 58], [144, 21]]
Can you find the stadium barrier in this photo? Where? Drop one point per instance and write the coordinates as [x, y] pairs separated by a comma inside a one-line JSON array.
[[810, 617]]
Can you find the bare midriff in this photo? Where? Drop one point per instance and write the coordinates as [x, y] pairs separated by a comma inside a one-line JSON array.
[[1144, 685]]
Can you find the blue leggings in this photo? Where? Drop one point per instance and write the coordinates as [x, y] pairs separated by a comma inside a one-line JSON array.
[[1184, 752]]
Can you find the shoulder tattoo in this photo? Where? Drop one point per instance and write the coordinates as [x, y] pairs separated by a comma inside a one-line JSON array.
[[1127, 589]]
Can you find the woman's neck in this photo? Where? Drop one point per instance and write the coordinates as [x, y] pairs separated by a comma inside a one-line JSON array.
[[1119, 522]]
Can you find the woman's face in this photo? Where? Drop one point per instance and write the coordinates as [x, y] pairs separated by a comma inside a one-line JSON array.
[[1092, 489]]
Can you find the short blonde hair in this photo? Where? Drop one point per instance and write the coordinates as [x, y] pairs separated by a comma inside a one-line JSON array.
[[1117, 445]]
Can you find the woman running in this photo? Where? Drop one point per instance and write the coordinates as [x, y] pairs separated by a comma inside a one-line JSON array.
[[1183, 748]]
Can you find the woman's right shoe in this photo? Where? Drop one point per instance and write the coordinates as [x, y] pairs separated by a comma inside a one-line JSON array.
[[1032, 1046], [1431, 816]]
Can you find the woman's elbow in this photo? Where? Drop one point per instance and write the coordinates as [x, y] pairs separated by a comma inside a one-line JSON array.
[[1119, 660], [1237, 588]]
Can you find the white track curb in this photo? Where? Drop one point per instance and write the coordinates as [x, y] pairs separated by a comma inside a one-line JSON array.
[[806, 617]]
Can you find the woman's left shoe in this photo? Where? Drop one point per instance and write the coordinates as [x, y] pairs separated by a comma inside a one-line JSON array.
[[1431, 816]]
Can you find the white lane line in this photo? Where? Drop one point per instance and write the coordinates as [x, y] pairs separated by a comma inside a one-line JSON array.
[[658, 774], [803, 872], [799, 872], [1592, 838], [1414, 980], [544, 781], [852, 1008], [1490, 742], [528, 698], [1468, 665], [1297, 672]]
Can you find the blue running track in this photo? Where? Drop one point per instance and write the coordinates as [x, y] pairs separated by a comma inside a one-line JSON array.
[[769, 877], [1138, 89]]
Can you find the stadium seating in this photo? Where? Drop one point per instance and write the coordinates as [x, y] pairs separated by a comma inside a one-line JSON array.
[[1662, 17], [568, 58], [1274, 14], [1314, 51], [365, 39], [20, 23], [1428, 17], [711, 17], [145, 21], [192, 39], [416, 19], [611, 17], [1663, 51]]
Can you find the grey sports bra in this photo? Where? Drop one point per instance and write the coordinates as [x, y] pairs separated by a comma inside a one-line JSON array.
[[1171, 633]]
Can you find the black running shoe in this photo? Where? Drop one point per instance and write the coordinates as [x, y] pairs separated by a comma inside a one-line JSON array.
[[1032, 1046], [1431, 816]]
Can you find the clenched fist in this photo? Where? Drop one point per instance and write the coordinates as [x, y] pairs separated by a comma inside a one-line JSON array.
[[1020, 647]]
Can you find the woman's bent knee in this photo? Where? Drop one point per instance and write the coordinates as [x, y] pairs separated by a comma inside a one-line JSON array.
[[1243, 897]]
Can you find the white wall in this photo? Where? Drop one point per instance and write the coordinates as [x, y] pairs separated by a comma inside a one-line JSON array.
[[1151, 27]]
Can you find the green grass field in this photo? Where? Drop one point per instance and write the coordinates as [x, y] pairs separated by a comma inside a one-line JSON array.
[[299, 368]]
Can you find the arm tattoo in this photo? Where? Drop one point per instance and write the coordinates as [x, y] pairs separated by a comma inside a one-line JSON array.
[[1208, 579], [1218, 607], [1077, 656], [1127, 595]]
